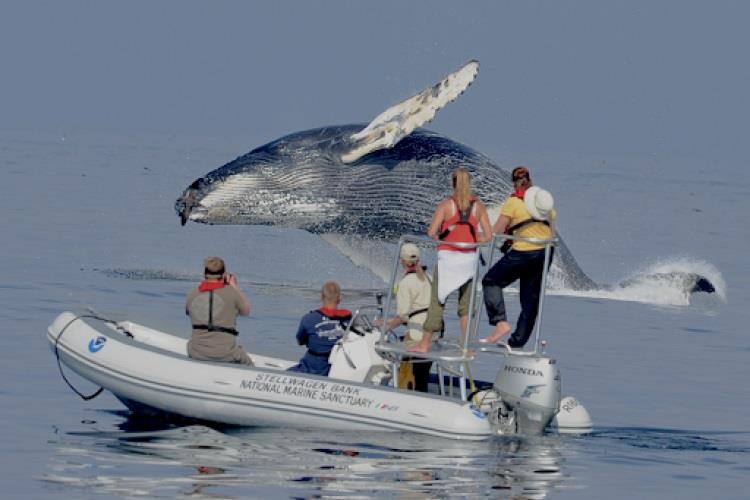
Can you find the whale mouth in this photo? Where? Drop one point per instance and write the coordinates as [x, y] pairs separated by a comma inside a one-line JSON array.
[[188, 207], [197, 213]]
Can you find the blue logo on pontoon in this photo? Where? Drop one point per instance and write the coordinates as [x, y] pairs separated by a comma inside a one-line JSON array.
[[95, 345], [477, 412]]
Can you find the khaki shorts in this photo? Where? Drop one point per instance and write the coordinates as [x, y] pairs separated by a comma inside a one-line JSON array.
[[434, 321]]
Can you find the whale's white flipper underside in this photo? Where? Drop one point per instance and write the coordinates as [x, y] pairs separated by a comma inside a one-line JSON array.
[[400, 120]]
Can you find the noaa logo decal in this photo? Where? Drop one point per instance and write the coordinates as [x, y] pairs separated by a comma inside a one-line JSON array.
[[96, 345], [477, 412]]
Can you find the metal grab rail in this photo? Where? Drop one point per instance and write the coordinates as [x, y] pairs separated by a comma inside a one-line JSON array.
[[475, 312], [432, 243], [389, 301]]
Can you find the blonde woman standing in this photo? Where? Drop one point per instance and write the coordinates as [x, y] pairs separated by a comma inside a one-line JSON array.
[[460, 218]]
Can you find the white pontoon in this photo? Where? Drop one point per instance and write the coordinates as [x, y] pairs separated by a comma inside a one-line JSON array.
[[149, 371]]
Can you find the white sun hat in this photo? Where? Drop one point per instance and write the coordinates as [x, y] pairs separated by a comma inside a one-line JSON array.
[[410, 252], [539, 202]]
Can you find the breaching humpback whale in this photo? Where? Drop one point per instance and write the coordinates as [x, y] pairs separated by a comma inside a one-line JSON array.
[[376, 181]]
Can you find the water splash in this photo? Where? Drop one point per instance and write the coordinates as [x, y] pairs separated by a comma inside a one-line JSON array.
[[675, 266], [668, 282]]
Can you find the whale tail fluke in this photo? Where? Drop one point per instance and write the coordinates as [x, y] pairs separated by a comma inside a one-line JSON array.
[[400, 120]]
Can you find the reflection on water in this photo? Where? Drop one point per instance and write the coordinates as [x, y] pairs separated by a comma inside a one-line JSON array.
[[138, 459]]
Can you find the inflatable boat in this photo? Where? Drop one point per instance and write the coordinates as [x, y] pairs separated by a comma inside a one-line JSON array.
[[150, 371]]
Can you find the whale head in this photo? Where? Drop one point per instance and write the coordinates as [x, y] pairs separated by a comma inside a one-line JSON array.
[[275, 184], [301, 181]]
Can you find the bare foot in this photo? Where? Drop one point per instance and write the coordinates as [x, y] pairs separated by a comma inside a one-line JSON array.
[[502, 328]]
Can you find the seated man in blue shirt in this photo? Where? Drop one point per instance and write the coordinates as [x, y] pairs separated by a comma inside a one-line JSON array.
[[317, 331]]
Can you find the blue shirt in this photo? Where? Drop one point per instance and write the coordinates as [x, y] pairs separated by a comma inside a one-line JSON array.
[[319, 347]]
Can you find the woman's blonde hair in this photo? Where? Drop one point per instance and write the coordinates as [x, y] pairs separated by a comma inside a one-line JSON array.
[[462, 187]]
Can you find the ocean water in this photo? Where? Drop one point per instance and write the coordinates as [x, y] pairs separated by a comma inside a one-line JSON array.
[[89, 221]]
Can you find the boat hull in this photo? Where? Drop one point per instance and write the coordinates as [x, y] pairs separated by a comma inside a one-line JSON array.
[[265, 395]]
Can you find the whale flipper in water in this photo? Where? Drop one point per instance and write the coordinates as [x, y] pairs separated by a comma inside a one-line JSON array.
[[400, 120]]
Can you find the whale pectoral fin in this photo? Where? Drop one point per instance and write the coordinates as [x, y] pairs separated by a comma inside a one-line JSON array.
[[400, 120]]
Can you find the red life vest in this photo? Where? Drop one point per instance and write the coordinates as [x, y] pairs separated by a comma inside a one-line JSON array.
[[207, 286], [519, 193], [461, 227], [412, 269], [332, 313]]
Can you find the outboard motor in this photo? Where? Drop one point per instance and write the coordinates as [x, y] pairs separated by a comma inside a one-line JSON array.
[[530, 387]]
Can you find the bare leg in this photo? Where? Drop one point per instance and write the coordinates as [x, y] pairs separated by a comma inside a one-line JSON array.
[[424, 344], [463, 322]]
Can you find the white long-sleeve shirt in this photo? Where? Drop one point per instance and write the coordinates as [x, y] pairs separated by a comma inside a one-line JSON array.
[[412, 295]]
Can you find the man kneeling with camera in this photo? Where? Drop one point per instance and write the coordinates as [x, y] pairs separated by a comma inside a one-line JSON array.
[[213, 307]]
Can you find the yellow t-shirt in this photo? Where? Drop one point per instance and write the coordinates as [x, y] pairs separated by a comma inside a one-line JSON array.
[[515, 209]]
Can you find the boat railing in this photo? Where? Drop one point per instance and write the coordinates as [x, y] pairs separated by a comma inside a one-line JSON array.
[[485, 261], [473, 326], [463, 351], [429, 243]]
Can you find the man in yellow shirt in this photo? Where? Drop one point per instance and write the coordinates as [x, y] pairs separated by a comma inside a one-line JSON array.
[[528, 213]]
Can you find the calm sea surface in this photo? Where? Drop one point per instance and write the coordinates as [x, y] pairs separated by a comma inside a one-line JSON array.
[[91, 223]]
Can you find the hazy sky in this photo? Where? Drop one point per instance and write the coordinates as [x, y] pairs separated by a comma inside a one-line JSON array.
[[666, 78]]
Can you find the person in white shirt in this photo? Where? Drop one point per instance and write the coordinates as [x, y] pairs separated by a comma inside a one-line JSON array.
[[412, 302]]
